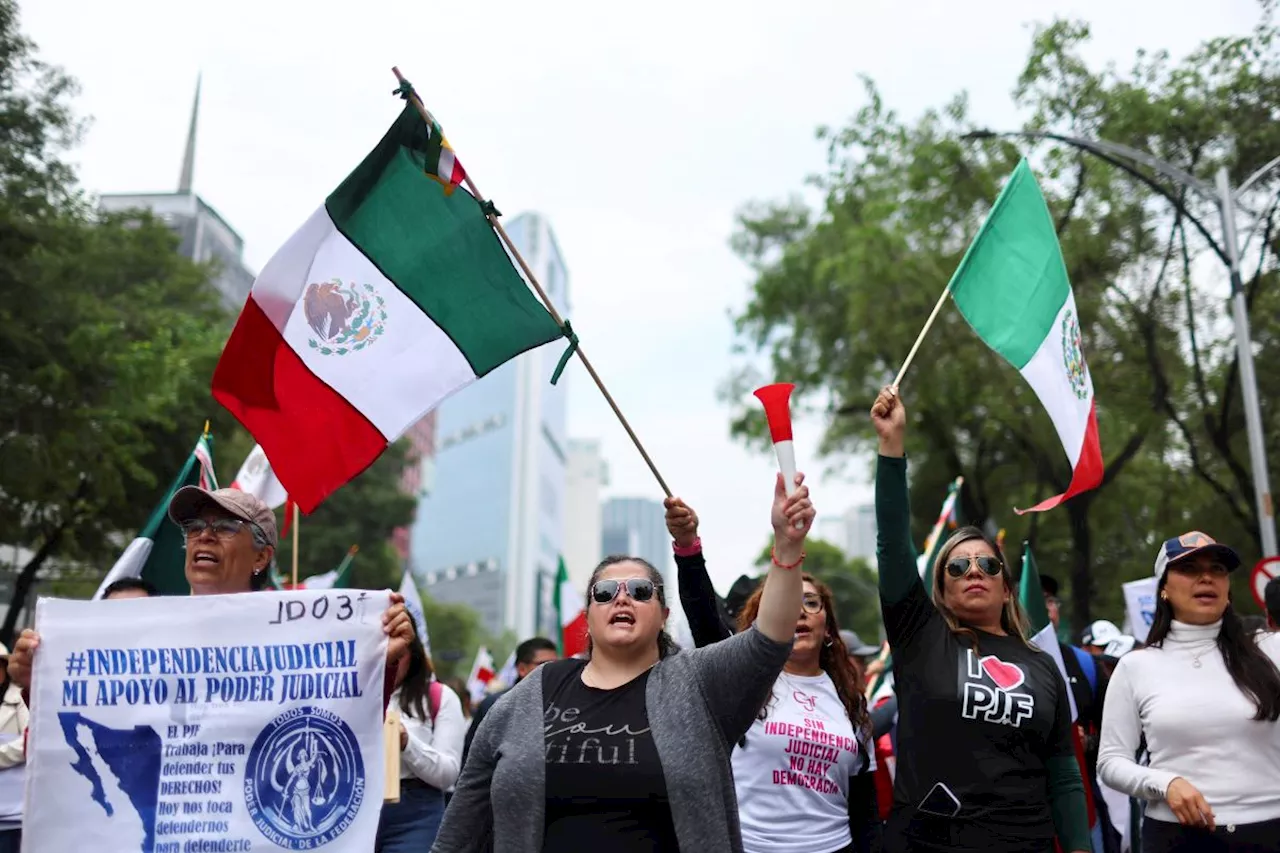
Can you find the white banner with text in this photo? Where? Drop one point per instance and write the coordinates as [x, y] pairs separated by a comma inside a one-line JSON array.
[[210, 724]]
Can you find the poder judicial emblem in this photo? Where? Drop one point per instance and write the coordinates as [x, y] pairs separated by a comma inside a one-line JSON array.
[[304, 780]]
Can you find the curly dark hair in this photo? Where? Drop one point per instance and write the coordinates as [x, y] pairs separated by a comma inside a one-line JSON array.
[[833, 658]]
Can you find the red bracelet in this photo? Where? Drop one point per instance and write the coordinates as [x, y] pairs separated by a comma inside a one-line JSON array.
[[692, 550], [773, 555]]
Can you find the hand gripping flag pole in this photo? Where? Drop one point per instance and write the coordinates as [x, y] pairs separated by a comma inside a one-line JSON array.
[[776, 399]]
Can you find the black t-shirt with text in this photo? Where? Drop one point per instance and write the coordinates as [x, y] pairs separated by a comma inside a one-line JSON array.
[[605, 786], [978, 725]]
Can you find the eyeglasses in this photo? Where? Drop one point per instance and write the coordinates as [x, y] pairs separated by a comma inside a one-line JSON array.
[[957, 567], [223, 528], [811, 603], [639, 589]]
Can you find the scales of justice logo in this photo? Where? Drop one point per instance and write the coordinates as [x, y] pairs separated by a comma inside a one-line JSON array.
[[304, 781]]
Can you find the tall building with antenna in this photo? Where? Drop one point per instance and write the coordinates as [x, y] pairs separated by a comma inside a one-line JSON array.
[[204, 236]]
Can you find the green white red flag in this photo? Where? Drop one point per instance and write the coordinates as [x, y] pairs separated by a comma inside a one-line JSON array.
[[392, 296], [158, 553], [1013, 289], [572, 614]]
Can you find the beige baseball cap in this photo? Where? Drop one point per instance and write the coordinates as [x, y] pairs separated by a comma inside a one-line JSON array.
[[189, 501]]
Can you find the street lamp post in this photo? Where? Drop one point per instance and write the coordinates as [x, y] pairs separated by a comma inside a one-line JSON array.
[[1225, 199]]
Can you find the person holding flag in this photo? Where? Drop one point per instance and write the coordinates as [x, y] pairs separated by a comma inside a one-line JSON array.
[[986, 758]]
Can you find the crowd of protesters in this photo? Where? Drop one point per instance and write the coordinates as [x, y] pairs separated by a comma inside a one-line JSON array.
[[781, 732]]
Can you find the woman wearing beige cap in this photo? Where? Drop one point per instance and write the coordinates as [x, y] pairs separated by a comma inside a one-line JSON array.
[[231, 542]]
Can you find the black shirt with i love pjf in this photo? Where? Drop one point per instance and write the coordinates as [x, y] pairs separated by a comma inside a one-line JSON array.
[[976, 726]]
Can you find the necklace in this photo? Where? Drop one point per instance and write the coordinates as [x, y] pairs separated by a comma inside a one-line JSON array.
[[1195, 656]]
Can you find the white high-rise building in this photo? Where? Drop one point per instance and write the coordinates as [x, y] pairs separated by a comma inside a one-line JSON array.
[[204, 236], [861, 522], [637, 527], [490, 526], [853, 531], [586, 474]]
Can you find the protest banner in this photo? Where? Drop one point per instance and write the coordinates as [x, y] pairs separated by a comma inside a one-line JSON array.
[[1140, 606], [208, 724]]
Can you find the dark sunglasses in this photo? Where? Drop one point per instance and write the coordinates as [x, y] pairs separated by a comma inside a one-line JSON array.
[[958, 567], [223, 528], [640, 589]]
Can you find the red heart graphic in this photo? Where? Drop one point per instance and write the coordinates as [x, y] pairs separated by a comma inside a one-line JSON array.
[[1006, 675]]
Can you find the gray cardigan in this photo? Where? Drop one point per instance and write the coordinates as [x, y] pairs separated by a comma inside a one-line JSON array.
[[700, 703]]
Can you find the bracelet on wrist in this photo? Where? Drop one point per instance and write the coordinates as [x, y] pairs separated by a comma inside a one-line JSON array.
[[689, 550], [773, 555]]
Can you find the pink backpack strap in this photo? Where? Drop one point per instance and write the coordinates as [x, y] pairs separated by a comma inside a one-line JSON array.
[[435, 690]]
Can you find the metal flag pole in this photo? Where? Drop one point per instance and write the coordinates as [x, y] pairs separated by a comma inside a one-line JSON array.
[[1248, 380], [492, 215]]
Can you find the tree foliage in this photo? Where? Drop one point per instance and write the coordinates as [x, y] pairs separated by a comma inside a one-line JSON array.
[[364, 512], [842, 289], [107, 339], [852, 582]]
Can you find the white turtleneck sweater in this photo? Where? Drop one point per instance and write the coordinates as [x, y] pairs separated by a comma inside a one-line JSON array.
[[1198, 725]]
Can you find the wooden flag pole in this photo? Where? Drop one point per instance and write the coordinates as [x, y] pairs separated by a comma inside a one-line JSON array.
[[928, 324], [295, 546], [492, 215]]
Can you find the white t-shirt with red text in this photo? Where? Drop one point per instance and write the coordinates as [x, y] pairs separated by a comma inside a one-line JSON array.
[[792, 776]]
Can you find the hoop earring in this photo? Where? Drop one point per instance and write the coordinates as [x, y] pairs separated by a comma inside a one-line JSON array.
[[829, 643]]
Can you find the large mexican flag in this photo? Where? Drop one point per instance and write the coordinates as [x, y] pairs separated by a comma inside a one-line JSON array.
[[159, 552], [393, 295], [1012, 287]]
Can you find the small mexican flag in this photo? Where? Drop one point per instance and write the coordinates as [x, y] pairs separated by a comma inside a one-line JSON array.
[[481, 674], [440, 163], [572, 614], [159, 553], [1012, 287], [391, 297], [948, 520], [1043, 634]]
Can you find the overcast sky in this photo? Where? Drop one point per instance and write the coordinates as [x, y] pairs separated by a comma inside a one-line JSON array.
[[636, 130]]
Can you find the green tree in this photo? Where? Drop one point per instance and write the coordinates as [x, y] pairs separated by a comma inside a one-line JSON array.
[[108, 339], [364, 512], [842, 290], [852, 581], [456, 634]]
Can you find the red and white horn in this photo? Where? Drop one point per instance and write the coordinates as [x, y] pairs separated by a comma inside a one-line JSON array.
[[777, 409]]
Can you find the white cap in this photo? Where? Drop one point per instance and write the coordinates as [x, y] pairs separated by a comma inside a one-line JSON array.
[[1120, 646], [1100, 633]]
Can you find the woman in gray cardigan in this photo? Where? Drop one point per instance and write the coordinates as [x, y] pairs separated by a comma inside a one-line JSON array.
[[629, 750]]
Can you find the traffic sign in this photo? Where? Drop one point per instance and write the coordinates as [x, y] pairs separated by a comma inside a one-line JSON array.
[[1263, 572]]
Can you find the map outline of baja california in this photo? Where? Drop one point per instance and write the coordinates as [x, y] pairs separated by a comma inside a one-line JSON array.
[[132, 755]]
